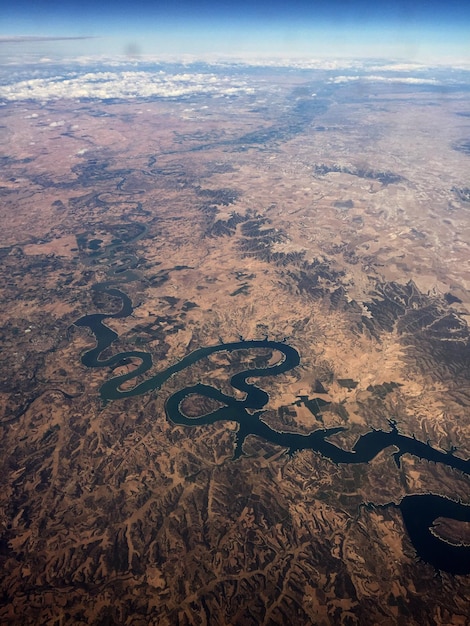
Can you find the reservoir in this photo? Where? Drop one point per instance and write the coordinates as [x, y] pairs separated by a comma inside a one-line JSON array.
[[419, 511]]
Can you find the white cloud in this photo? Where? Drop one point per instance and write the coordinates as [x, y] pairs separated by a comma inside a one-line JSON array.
[[122, 85], [385, 79], [397, 67]]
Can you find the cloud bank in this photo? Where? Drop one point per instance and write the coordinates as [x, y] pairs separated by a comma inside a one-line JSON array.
[[115, 79], [123, 85]]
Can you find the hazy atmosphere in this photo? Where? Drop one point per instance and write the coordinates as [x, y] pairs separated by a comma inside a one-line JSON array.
[[405, 29]]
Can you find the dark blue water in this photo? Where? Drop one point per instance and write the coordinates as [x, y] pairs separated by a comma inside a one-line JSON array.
[[418, 512]]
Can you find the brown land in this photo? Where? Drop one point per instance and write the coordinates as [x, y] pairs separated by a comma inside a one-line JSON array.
[[347, 233]]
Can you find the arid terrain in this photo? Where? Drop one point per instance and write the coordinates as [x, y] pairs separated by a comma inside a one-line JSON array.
[[326, 215]]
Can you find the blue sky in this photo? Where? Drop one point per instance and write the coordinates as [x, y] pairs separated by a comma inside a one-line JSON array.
[[400, 28]]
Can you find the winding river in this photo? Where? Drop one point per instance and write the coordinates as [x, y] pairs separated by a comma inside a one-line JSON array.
[[418, 511]]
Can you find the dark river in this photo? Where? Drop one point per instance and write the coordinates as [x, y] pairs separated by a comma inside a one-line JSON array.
[[418, 511]]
